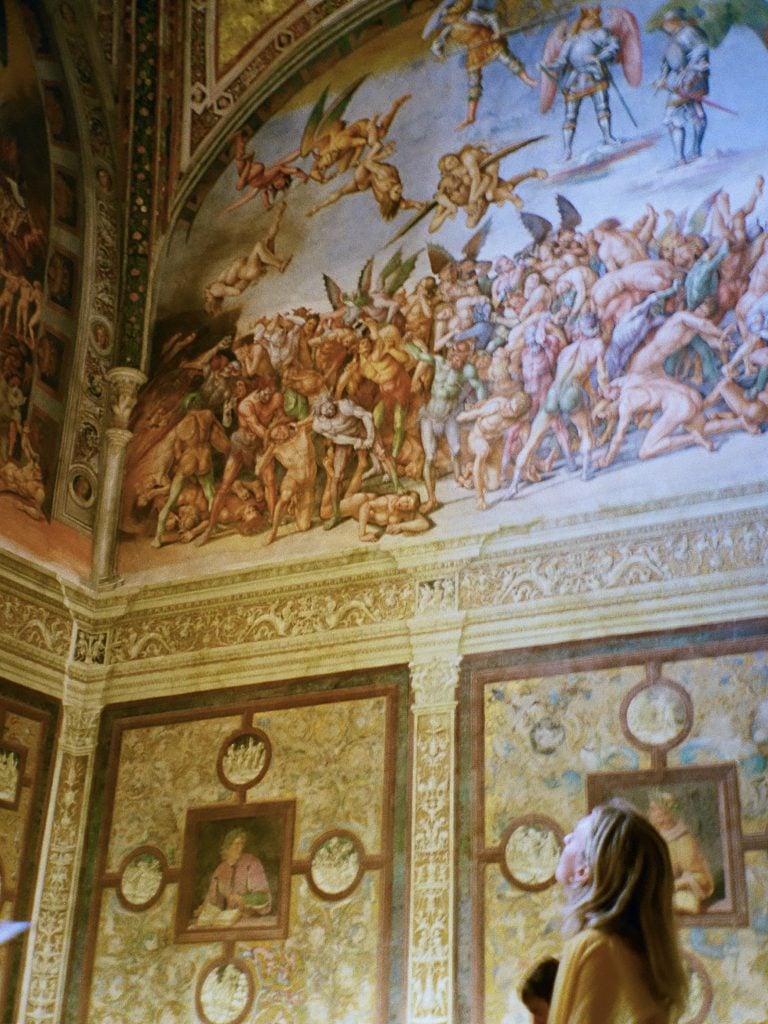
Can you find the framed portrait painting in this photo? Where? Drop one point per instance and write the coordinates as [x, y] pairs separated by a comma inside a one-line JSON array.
[[236, 872], [696, 810]]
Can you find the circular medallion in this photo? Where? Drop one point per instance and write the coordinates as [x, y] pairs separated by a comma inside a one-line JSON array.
[[531, 850], [82, 489], [224, 992], [546, 735], [699, 1000], [142, 878], [101, 337], [336, 865], [244, 758], [657, 715]]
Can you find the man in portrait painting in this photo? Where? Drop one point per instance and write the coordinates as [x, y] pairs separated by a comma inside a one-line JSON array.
[[238, 888]]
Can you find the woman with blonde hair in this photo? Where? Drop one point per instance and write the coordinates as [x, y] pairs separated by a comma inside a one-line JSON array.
[[622, 964]]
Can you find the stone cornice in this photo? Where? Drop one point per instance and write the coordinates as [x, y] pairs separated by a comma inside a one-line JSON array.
[[278, 622]]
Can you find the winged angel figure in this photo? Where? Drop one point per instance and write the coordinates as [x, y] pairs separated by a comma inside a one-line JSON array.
[[338, 146], [577, 59], [473, 26], [366, 301]]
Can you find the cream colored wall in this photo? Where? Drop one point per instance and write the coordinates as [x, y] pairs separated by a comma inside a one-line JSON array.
[[729, 698]]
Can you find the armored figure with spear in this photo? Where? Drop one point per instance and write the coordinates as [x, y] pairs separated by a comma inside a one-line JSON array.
[[577, 59]]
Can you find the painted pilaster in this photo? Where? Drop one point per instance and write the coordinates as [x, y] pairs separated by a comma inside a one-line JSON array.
[[431, 926], [124, 389], [56, 893]]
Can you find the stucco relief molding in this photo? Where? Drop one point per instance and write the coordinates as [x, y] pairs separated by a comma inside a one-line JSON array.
[[433, 682], [98, 300], [430, 968], [80, 729], [245, 620], [612, 561], [29, 623], [90, 648], [49, 955], [641, 560]]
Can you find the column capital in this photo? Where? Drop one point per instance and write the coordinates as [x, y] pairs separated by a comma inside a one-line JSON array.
[[80, 729], [125, 382], [433, 681]]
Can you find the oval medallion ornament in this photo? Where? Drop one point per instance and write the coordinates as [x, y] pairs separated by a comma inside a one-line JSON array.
[[225, 992], [531, 850], [657, 715], [336, 865], [244, 759], [142, 878], [699, 991]]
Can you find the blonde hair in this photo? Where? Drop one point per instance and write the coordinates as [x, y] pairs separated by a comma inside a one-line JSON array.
[[629, 894]]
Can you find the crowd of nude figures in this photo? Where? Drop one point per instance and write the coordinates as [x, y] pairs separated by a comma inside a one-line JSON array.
[[615, 341]]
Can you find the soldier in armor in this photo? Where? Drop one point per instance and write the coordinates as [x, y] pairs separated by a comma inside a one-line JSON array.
[[685, 76], [473, 26], [577, 59]]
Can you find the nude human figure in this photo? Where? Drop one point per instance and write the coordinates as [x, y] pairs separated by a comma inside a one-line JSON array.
[[246, 270], [680, 407], [566, 396], [470, 181], [11, 287], [574, 286], [291, 445], [674, 334], [35, 318], [452, 375], [509, 274], [617, 246], [382, 360], [254, 177], [27, 482], [752, 315], [633, 328], [386, 513], [731, 227], [23, 307], [192, 441], [491, 420], [349, 428], [255, 413], [383, 180], [616, 293], [745, 413], [544, 342]]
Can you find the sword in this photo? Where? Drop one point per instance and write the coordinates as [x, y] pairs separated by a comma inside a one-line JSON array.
[[690, 98]]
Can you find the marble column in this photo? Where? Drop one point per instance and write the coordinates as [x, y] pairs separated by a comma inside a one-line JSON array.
[[124, 389], [432, 909], [56, 893]]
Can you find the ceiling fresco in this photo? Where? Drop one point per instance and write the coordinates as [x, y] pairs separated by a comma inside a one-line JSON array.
[[240, 21], [461, 280]]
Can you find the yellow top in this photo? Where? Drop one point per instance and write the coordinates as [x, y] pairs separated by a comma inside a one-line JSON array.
[[602, 981]]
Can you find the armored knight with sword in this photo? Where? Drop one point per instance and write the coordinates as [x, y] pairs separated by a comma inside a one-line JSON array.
[[685, 76], [577, 59]]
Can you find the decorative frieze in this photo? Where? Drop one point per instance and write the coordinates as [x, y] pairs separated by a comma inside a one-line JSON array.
[[248, 619], [640, 558], [33, 625]]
